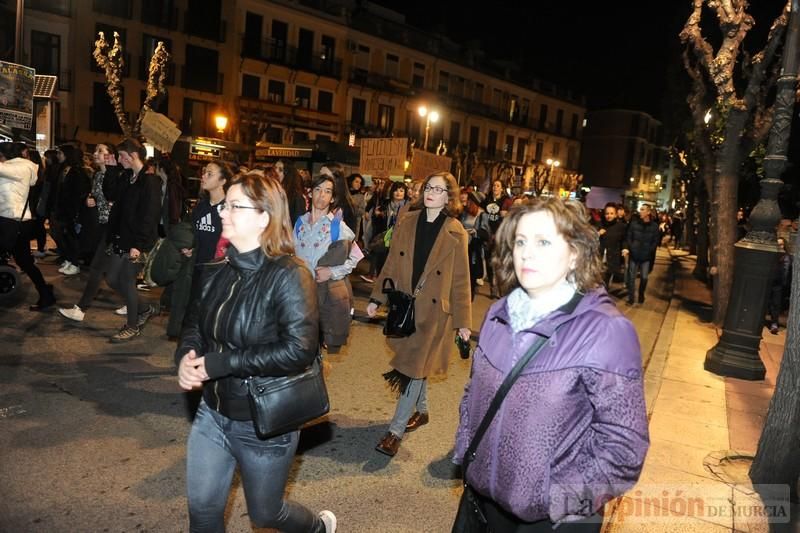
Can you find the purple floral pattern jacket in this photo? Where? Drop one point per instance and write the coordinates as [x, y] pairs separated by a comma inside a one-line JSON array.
[[572, 432]]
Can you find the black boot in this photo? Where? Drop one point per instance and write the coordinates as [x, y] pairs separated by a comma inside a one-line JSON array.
[[46, 299]]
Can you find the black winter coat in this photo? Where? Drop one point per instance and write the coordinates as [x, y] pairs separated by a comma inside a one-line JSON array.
[[71, 192], [133, 220], [642, 240], [611, 243], [256, 316]]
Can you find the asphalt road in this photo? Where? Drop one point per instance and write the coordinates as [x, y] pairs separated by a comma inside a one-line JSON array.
[[93, 434]]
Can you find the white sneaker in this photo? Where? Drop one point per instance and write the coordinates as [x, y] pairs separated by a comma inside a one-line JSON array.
[[75, 313], [63, 266], [122, 310], [71, 270], [329, 519], [479, 281]]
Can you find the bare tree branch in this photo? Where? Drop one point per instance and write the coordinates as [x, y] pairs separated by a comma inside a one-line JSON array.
[[763, 60], [112, 62], [156, 78]]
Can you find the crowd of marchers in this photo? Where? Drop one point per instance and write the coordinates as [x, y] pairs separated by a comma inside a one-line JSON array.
[[256, 277]]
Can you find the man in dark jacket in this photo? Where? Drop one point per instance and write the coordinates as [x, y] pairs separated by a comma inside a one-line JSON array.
[[132, 232], [641, 241], [612, 234]]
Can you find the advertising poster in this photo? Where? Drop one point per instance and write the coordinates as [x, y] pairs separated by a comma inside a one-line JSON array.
[[16, 95]]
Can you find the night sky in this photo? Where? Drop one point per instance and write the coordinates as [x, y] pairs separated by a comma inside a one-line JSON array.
[[626, 56]]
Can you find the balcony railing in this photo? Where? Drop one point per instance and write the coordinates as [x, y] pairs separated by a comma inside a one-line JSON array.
[[201, 26], [379, 81], [144, 70], [273, 51], [167, 18], [57, 7], [202, 81], [115, 8]]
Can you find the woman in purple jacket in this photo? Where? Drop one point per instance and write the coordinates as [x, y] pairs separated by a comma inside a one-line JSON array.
[[572, 431]]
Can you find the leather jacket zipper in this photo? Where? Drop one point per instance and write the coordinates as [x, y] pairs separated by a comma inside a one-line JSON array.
[[216, 333]]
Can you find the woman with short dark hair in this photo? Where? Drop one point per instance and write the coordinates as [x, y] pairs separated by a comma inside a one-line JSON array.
[[574, 421]]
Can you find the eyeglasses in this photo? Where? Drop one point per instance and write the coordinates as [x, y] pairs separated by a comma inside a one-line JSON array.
[[222, 206], [435, 189]]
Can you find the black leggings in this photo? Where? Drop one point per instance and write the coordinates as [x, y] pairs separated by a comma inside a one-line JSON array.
[[24, 260], [121, 276]]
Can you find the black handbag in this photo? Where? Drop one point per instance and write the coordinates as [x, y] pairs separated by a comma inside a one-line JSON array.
[[282, 404], [470, 517], [400, 315]]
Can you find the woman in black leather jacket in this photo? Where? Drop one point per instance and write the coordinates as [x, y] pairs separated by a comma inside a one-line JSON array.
[[257, 316]]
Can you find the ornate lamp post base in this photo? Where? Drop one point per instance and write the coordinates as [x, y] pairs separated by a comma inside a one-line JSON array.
[[736, 354]]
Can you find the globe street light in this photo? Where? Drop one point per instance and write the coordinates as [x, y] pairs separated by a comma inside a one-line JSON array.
[[221, 122], [430, 116]]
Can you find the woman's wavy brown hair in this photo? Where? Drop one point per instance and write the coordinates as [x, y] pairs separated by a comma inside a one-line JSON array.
[[267, 194], [572, 222], [453, 206]]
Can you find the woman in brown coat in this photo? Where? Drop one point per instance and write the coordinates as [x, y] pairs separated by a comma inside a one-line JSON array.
[[428, 254]]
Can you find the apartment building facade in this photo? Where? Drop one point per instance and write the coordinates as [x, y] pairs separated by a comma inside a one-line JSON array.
[[623, 149], [292, 72]]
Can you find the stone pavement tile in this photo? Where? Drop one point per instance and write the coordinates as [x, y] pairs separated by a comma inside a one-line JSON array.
[[677, 389], [748, 403], [697, 433], [758, 389], [626, 520], [751, 516], [689, 369], [652, 387], [678, 493], [693, 339], [678, 456], [693, 410], [745, 430]]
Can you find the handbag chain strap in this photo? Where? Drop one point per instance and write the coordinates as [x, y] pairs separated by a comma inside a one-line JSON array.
[[25, 208], [497, 400]]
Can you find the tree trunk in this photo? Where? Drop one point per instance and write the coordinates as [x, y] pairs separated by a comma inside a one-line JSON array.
[[777, 460], [689, 223], [723, 213], [701, 267]]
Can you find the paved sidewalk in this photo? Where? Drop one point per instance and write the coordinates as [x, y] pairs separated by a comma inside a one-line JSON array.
[[704, 428]]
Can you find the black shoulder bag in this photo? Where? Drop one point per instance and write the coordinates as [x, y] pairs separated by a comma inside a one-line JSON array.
[[470, 517], [400, 315], [282, 404]]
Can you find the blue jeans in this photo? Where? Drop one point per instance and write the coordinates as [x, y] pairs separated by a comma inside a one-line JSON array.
[[414, 398], [644, 267], [216, 445]]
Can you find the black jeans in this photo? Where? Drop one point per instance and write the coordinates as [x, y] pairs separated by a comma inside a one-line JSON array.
[[97, 271], [121, 276], [21, 252], [66, 240]]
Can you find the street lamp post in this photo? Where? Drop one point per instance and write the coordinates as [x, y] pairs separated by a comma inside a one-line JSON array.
[[552, 163], [737, 352], [431, 116]]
